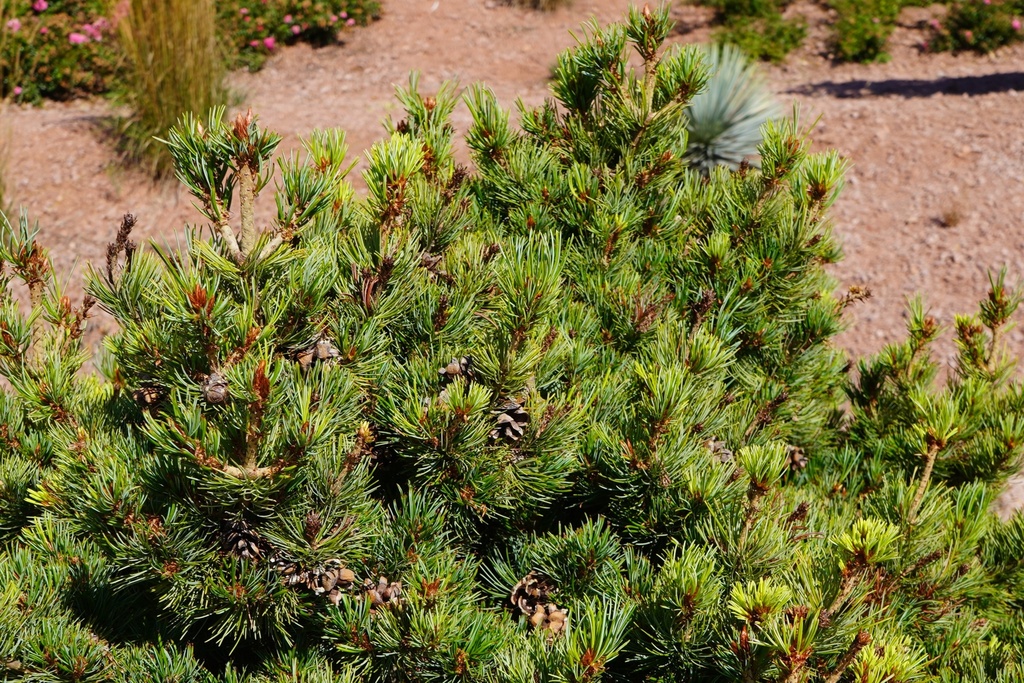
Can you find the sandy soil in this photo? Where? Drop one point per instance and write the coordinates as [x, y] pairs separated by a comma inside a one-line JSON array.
[[935, 197]]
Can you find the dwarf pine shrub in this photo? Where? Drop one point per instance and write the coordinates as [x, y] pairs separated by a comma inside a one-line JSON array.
[[570, 415]]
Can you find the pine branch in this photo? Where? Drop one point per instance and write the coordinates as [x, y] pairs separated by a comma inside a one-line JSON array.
[[849, 581], [860, 641], [247, 208], [275, 242], [253, 435], [933, 451], [228, 235], [755, 494], [249, 472]]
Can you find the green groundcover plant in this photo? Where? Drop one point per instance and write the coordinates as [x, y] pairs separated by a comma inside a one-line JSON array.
[[571, 415]]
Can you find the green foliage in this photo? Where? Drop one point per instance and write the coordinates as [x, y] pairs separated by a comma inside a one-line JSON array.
[[978, 26], [725, 120], [173, 66], [862, 29], [253, 29], [57, 49], [769, 38], [757, 28], [574, 416], [545, 5], [747, 8]]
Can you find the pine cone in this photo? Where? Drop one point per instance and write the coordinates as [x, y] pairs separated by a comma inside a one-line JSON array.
[[459, 367], [148, 395], [532, 591], [325, 350], [532, 596], [512, 420], [331, 579], [322, 351], [334, 579], [797, 458], [719, 450], [383, 594], [312, 525], [550, 618], [430, 261], [215, 388], [241, 540], [287, 569]]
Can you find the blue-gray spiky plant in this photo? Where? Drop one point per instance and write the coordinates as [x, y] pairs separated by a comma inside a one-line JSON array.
[[726, 118]]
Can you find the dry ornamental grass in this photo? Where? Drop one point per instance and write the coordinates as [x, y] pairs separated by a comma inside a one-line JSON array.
[[173, 66]]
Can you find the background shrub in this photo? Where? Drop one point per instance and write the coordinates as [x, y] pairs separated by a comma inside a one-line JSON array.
[[253, 29], [758, 28], [173, 65], [56, 49], [60, 49], [731, 9], [863, 28], [769, 38], [978, 25], [545, 5]]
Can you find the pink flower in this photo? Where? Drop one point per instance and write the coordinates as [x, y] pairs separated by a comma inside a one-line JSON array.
[[344, 15], [350, 22], [288, 19], [1015, 24], [13, 25], [334, 18], [934, 23], [269, 42], [17, 90], [969, 36], [296, 30], [93, 32], [40, 5], [244, 10], [254, 43], [43, 30], [987, 2], [77, 38], [246, 19]]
